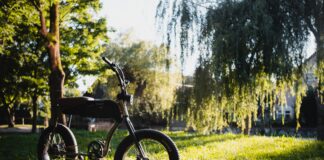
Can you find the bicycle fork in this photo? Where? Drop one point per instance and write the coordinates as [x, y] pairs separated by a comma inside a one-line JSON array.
[[138, 145]]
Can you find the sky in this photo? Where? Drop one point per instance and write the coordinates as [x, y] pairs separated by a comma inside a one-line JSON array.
[[138, 18], [134, 16]]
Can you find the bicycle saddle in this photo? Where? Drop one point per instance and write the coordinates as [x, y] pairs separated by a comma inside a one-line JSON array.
[[90, 107], [72, 102]]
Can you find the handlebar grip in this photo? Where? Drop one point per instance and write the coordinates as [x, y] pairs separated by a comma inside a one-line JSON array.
[[108, 62]]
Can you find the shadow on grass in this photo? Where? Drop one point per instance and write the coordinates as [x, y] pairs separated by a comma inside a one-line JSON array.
[[18, 146], [23, 146]]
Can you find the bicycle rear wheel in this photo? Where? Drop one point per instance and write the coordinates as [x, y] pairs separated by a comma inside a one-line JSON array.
[[57, 143], [156, 145]]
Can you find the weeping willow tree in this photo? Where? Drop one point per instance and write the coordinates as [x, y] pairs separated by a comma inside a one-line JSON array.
[[251, 53]]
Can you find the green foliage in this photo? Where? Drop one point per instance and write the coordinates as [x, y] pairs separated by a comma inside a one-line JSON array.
[[23, 70], [250, 51], [83, 33], [23, 55], [10, 17], [83, 37]]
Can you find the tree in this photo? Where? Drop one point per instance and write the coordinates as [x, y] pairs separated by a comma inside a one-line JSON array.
[[32, 71], [52, 37], [80, 46], [146, 67], [252, 47], [10, 91], [308, 110], [10, 83]]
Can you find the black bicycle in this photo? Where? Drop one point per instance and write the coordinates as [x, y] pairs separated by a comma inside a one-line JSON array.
[[58, 141]]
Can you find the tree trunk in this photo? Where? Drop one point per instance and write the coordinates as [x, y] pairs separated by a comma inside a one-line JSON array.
[[34, 125], [56, 78], [320, 64], [11, 117], [248, 122], [57, 74], [46, 121], [10, 111]]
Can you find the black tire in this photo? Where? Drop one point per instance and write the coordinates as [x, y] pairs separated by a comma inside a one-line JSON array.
[[158, 139], [64, 139]]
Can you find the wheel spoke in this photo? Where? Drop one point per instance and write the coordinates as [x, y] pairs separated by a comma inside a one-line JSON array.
[[56, 147], [53, 144], [153, 151]]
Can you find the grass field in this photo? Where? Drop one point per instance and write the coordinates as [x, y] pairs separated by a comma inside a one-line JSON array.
[[191, 146]]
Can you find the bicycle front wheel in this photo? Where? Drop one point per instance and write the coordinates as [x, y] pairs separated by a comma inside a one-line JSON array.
[[156, 145]]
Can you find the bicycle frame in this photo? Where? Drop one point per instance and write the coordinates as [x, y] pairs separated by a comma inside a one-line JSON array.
[[124, 99], [131, 131]]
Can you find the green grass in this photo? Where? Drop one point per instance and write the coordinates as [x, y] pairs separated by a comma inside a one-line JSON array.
[[22, 125], [191, 146]]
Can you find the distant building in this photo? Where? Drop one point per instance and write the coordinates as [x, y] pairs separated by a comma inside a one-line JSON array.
[[309, 78], [287, 111]]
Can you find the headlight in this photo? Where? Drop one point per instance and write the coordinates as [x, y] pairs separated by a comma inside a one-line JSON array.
[[125, 97]]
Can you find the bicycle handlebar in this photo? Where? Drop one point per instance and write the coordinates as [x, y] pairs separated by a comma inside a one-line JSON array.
[[122, 81], [119, 72], [108, 62]]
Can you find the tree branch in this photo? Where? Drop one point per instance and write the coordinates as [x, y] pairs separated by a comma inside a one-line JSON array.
[[37, 6], [43, 29], [13, 99]]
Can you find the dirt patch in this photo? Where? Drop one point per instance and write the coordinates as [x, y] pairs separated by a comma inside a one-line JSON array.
[[20, 129]]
